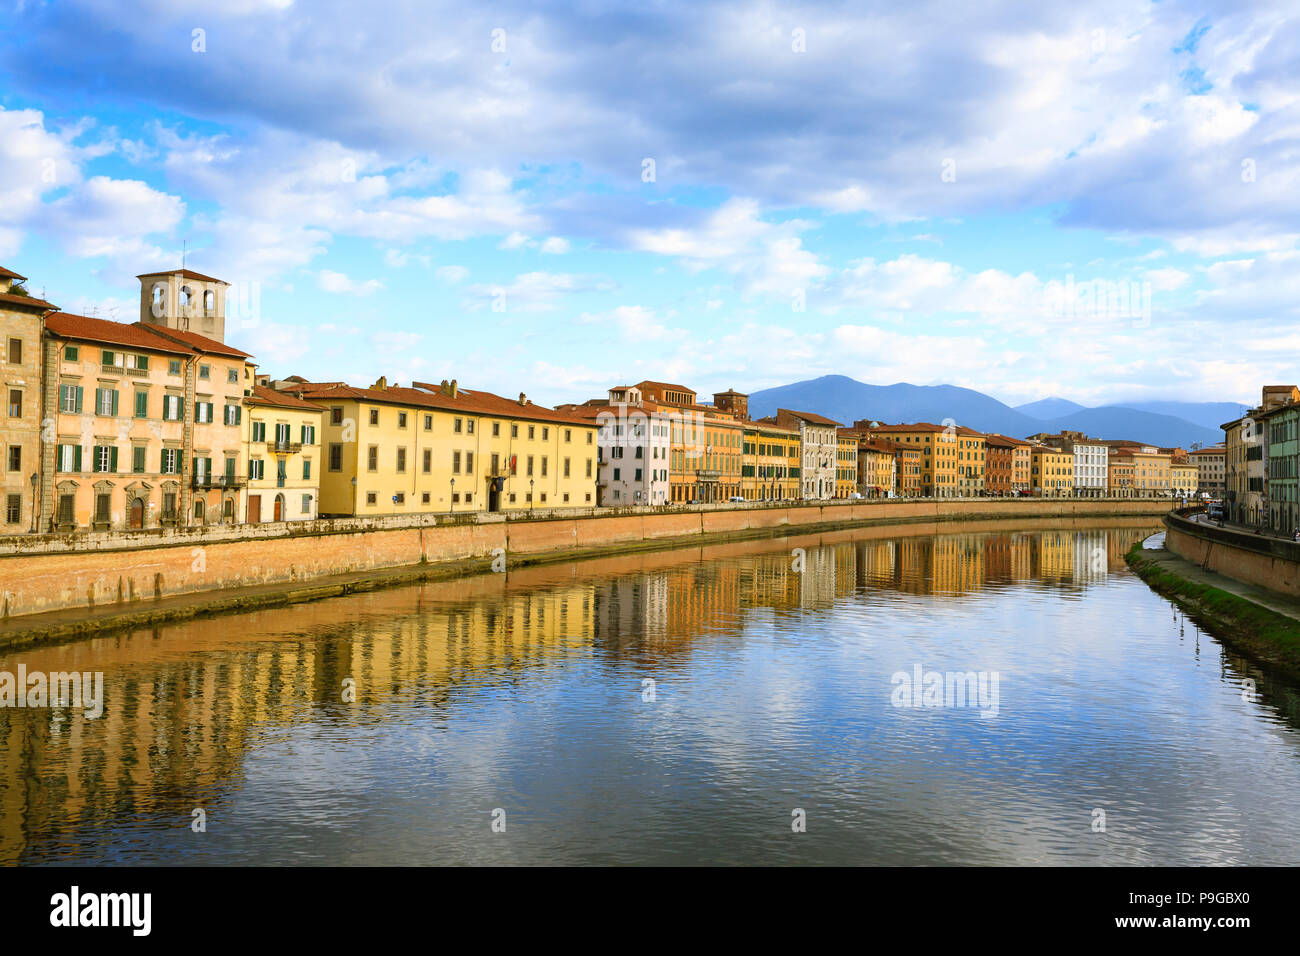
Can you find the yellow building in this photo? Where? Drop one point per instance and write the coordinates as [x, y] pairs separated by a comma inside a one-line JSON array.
[[846, 462], [391, 450], [20, 357], [1183, 478], [283, 450], [938, 445], [1051, 471], [770, 463], [971, 461]]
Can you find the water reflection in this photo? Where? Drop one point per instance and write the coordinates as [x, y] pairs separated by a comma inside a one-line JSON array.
[[672, 707]]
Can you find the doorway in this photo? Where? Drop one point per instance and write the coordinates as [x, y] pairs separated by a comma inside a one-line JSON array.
[[136, 519], [254, 509], [279, 508]]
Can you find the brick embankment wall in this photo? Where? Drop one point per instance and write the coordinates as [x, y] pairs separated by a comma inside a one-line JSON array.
[[1261, 560], [46, 573]]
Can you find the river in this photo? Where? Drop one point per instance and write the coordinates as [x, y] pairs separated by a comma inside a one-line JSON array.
[[737, 703]]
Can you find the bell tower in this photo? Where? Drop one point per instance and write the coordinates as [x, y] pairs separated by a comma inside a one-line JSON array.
[[184, 300]]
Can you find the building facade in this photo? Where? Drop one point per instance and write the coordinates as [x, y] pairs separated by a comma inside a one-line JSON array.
[[819, 451], [281, 437], [770, 463], [846, 463], [1008, 469], [21, 354], [1209, 469], [1051, 471]]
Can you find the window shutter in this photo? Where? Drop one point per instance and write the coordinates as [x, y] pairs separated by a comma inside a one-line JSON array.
[[112, 458], [114, 394], [76, 456]]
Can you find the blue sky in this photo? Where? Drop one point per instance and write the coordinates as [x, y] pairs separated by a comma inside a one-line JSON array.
[[428, 191]]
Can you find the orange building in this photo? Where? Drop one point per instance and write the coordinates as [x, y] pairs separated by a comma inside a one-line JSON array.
[[1009, 462]]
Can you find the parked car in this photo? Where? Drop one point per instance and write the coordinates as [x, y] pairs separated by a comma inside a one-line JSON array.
[[735, 498]]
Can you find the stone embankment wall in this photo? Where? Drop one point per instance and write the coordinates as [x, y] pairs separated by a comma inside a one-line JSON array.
[[1264, 561], [44, 573]]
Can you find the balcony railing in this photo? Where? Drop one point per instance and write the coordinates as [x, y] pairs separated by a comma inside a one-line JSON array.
[[207, 482], [285, 447]]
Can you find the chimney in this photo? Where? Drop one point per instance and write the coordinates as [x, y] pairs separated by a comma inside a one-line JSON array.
[[443, 386], [523, 399], [454, 391], [381, 384]]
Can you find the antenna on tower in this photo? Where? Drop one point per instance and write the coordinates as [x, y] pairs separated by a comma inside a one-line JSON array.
[[183, 241]]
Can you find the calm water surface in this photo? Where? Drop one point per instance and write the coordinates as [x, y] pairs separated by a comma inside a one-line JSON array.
[[678, 707]]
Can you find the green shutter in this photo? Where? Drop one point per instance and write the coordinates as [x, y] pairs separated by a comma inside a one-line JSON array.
[[76, 458], [141, 404], [79, 399], [142, 362], [114, 405], [137, 460], [112, 458]]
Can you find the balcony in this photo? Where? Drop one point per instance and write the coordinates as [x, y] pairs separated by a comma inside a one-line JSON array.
[[209, 482], [284, 447]]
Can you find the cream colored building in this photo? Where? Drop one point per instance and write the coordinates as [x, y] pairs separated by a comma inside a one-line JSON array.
[[282, 445]]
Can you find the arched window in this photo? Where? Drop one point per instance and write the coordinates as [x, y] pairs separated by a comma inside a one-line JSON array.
[[209, 301], [187, 298]]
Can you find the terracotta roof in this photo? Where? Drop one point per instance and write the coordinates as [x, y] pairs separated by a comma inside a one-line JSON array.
[[657, 389], [199, 343], [1004, 441], [809, 417], [467, 401], [261, 395], [187, 273], [25, 300], [10, 274], [68, 326]]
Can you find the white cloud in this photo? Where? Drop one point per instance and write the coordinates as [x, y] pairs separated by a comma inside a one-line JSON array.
[[341, 284]]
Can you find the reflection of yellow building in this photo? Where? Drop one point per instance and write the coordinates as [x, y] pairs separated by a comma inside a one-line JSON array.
[[391, 450]]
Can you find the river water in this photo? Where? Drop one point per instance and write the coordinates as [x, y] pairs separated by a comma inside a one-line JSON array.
[[739, 703]]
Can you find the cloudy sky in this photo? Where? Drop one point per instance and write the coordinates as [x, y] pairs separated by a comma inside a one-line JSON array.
[[1099, 200]]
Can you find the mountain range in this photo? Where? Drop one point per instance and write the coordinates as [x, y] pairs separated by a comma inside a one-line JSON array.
[[1168, 424]]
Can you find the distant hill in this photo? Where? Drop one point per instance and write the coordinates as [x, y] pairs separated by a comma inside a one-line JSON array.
[[1046, 408], [1206, 414], [846, 400]]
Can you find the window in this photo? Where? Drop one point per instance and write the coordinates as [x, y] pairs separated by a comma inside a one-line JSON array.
[[372, 458], [255, 469], [282, 434], [203, 412], [309, 434], [401, 460], [566, 468], [370, 497], [141, 404], [234, 414], [15, 403], [543, 466], [15, 351], [171, 462], [67, 504], [306, 468], [169, 505], [455, 463], [469, 427], [173, 366], [568, 435], [173, 408], [205, 371], [336, 415], [427, 466], [530, 465], [424, 498], [69, 458], [401, 419], [232, 376], [399, 499], [110, 359], [259, 431], [14, 509], [70, 353], [137, 459], [103, 507], [374, 416], [496, 429], [455, 427], [336, 457], [105, 459], [428, 423], [70, 398], [15, 457], [531, 431], [546, 434], [469, 462]]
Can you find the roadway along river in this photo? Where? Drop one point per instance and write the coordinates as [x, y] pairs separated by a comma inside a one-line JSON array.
[[685, 706]]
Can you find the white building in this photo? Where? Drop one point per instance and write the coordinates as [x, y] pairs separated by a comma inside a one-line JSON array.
[[633, 443], [819, 447], [1091, 461]]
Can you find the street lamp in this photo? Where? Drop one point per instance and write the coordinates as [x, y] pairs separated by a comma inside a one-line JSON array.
[[531, 499], [354, 496], [452, 499], [35, 503]]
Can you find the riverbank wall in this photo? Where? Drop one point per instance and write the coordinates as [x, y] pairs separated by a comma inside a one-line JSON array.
[[1264, 561], [127, 572]]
